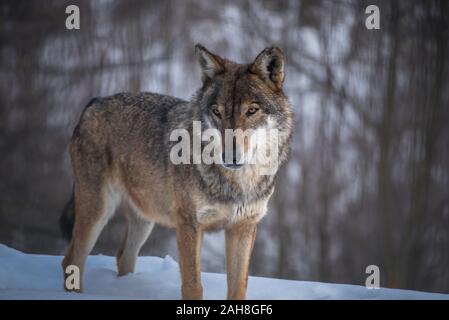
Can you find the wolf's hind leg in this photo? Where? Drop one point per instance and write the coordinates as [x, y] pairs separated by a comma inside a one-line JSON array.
[[136, 233], [94, 205]]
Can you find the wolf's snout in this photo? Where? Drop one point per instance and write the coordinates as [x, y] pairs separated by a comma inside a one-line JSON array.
[[232, 160], [234, 163]]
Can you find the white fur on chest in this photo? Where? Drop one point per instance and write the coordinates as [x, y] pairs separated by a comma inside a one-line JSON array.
[[231, 213]]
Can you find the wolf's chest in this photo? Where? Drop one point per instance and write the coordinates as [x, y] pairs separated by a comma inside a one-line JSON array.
[[219, 215]]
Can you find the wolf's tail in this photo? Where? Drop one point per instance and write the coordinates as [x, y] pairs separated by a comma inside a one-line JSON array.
[[67, 219]]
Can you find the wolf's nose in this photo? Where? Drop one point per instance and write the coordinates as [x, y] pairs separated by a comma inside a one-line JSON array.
[[234, 158]]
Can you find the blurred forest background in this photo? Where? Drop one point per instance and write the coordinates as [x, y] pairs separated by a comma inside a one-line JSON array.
[[368, 178]]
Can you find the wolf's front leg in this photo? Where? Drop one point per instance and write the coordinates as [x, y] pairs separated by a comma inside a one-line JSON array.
[[239, 245], [189, 249]]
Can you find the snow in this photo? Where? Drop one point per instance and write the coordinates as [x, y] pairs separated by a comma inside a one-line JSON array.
[[31, 276]]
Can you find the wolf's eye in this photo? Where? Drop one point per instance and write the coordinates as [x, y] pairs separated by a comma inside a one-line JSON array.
[[216, 111], [252, 109]]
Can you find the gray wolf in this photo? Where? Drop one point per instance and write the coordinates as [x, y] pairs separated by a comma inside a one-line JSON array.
[[120, 153]]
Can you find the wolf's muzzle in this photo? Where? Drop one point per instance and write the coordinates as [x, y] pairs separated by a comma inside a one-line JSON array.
[[231, 165]]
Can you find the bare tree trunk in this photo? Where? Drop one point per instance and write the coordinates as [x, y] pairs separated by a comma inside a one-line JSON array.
[[386, 139]]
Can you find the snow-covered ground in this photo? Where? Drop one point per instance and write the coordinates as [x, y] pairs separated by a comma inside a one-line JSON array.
[[30, 276]]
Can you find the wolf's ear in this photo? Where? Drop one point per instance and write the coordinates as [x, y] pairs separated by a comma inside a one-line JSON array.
[[269, 66], [211, 64]]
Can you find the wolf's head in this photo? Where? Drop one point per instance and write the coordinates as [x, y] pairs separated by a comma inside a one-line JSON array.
[[241, 101]]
